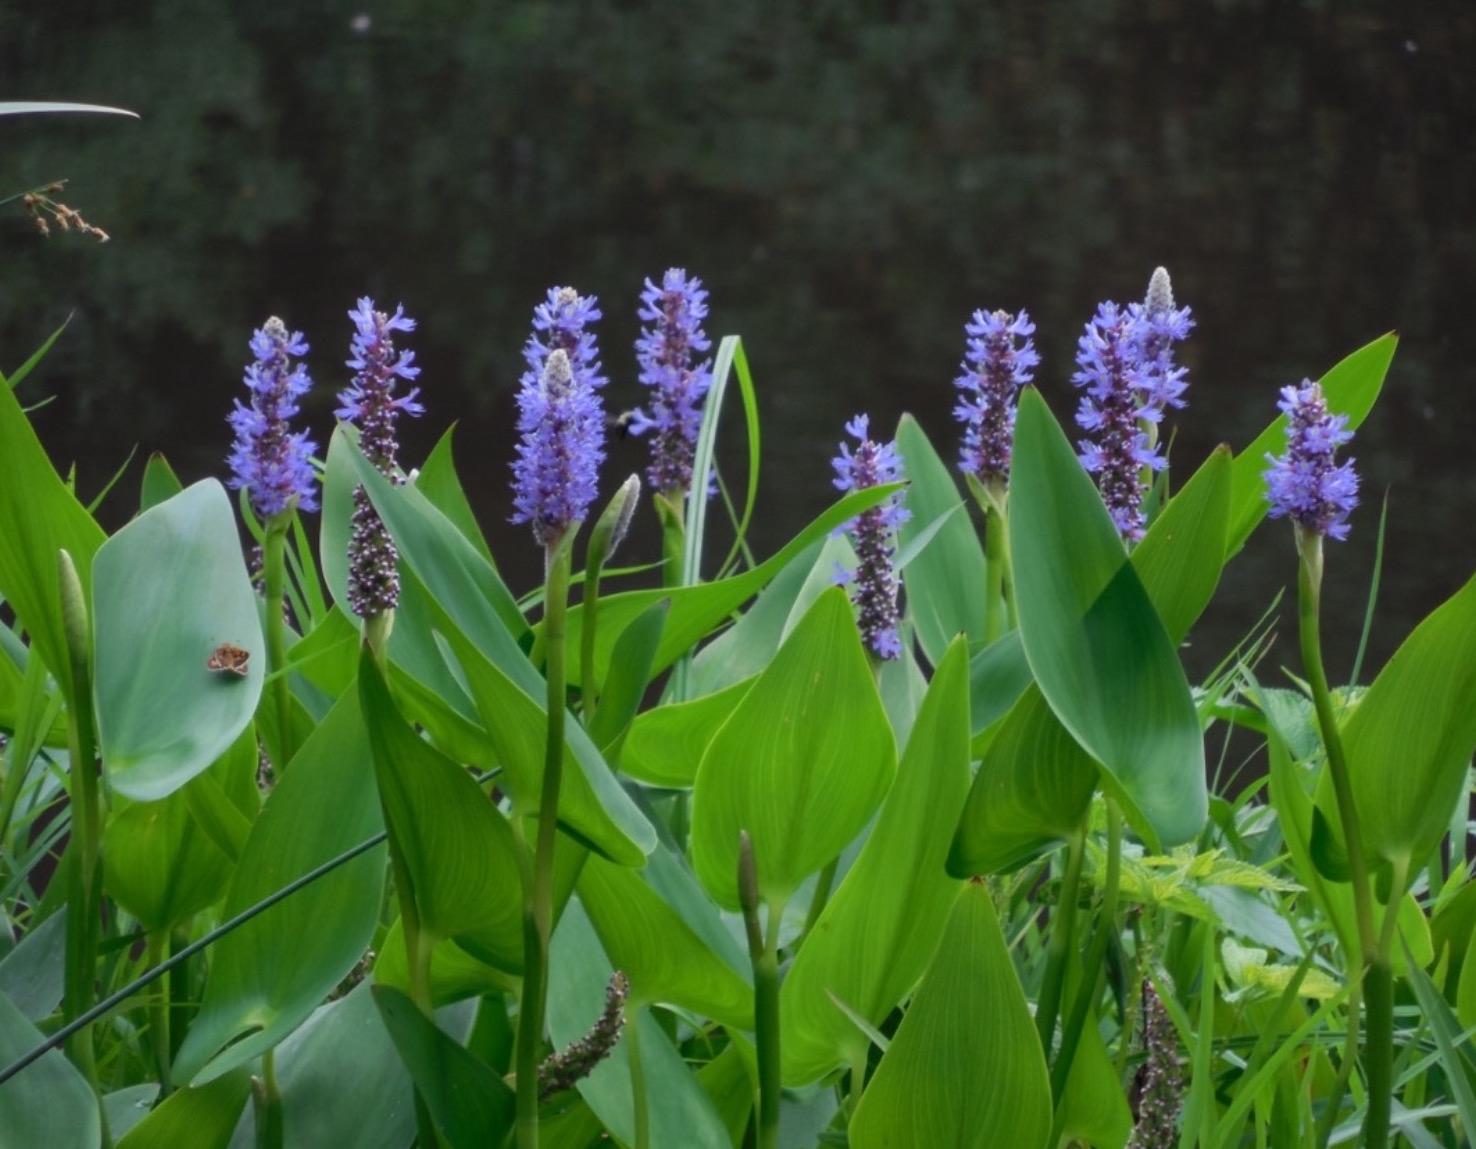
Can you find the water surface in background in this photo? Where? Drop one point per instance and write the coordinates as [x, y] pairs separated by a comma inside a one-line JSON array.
[[851, 181]]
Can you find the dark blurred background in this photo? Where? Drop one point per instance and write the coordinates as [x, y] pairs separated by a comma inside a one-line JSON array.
[[851, 179]]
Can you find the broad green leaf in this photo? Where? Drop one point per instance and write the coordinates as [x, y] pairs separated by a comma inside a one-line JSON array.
[[170, 588], [745, 648], [1095, 643], [452, 569], [945, 583], [31, 973], [160, 483], [646, 937], [457, 847], [1351, 387], [1181, 556], [1031, 792], [343, 1083], [998, 676], [877, 932], [159, 864], [328, 655], [592, 805], [630, 674], [1410, 737], [965, 1068], [39, 516], [696, 610], [679, 1112], [454, 974], [48, 1103], [267, 976], [202, 1118], [471, 1106], [439, 483], [801, 765], [665, 745]]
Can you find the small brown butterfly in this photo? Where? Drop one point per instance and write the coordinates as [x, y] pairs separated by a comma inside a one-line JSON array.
[[228, 658]]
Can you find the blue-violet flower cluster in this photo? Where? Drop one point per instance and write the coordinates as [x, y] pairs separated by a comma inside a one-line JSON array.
[[370, 403], [560, 418], [1305, 484], [1160, 326], [873, 535], [996, 366], [1110, 369], [667, 352], [273, 463]]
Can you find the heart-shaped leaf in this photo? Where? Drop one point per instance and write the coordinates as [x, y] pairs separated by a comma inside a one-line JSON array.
[[169, 589]]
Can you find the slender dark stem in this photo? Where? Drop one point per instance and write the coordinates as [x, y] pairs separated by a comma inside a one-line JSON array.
[[1059, 947], [108, 1004], [538, 884]]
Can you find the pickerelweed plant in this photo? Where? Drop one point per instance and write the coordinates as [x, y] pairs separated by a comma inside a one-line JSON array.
[[730, 859]]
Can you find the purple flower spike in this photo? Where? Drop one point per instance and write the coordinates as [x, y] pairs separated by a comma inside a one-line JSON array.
[[271, 462], [994, 370], [370, 403], [666, 352], [873, 535], [561, 419], [1304, 484], [1162, 325], [1111, 370]]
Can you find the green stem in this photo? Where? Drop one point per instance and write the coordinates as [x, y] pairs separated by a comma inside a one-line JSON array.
[[994, 551], [1309, 586], [859, 1056], [589, 688], [1371, 961], [766, 1031], [1086, 992], [270, 1133], [1059, 946], [670, 509], [538, 884], [638, 1080], [274, 562], [1334, 1104], [85, 848], [1378, 994], [159, 1016]]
